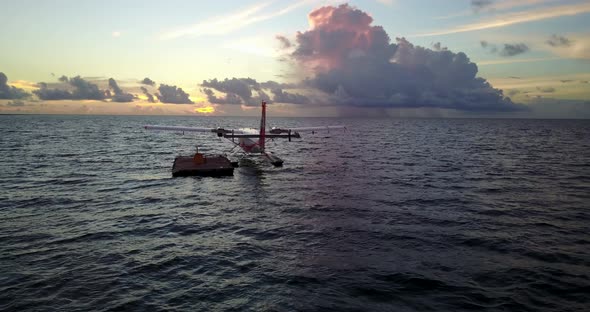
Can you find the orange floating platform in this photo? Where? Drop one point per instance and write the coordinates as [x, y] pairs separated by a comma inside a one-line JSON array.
[[199, 165]]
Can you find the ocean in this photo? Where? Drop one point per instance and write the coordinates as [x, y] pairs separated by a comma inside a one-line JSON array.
[[389, 215]]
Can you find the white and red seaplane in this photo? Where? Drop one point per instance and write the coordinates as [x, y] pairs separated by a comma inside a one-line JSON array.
[[252, 141]]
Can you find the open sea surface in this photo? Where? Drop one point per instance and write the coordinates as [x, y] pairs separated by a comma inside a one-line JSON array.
[[391, 215]]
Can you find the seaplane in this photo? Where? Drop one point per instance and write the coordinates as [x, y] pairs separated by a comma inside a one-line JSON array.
[[252, 141]]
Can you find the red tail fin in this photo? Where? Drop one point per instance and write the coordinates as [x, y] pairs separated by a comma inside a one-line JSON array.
[[262, 127]]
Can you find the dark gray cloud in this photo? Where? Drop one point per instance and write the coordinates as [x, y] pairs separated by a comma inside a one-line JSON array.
[[558, 41], [546, 89], [173, 95], [119, 95], [285, 43], [48, 94], [491, 47], [82, 90], [507, 49], [113, 85], [9, 92], [287, 97], [437, 46], [513, 92], [245, 91], [350, 63], [229, 98], [479, 5], [271, 85], [16, 103], [148, 81], [63, 78], [150, 97], [514, 49]]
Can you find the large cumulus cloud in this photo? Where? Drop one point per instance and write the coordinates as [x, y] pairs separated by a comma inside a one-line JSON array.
[[119, 95], [245, 91], [81, 89], [9, 92], [347, 61], [173, 95], [356, 64], [149, 96]]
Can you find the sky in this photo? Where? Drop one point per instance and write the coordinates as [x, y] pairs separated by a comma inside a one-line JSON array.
[[424, 58]]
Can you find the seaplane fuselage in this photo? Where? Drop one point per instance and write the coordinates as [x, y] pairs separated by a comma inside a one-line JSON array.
[[250, 145]]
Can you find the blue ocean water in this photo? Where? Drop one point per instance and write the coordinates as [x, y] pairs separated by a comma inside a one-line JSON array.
[[391, 215]]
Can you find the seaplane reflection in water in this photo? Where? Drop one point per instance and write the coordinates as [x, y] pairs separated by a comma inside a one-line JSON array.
[[252, 141]]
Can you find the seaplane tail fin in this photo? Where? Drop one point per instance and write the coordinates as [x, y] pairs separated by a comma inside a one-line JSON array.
[[262, 140]]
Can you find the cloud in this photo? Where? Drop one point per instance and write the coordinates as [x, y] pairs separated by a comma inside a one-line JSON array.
[[285, 43], [352, 63], [119, 95], [507, 50], [15, 103], [148, 81], [47, 94], [512, 61], [546, 89], [513, 92], [558, 41], [63, 78], [149, 96], [9, 92], [437, 46], [82, 90], [494, 6], [173, 95], [238, 91], [577, 47], [515, 18], [386, 2], [479, 5], [281, 96], [513, 49], [559, 108], [229, 98], [486, 45], [224, 24], [347, 62]]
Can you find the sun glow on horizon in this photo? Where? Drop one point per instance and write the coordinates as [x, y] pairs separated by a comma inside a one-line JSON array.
[[205, 110]]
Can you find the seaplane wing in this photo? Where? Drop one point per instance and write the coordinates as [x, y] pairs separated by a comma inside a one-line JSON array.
[[192, 129], [303, 129]]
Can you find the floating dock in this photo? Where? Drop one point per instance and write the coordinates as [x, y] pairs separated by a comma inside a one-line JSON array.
[[199, 165]]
